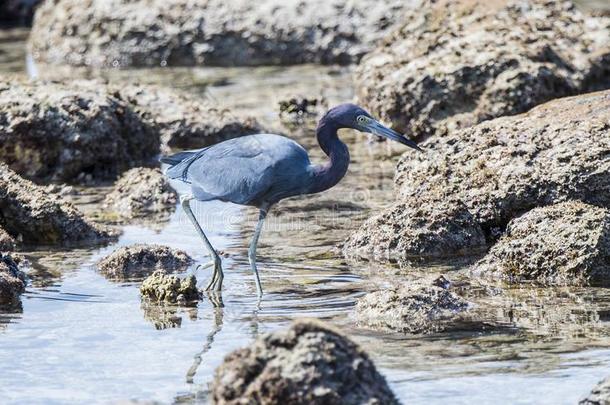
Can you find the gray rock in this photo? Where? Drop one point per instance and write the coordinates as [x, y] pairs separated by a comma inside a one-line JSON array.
[[209, 32], [501, 168], [141, 260], [162, 287], [56, 132], [426, 228], [600, 395], [184, 121], [565, 244], [412, 308], [32, 215], [12, 281], [141, 192], [309, 363], [453, 64]]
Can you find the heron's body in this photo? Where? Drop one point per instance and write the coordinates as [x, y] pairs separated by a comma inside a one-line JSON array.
[[260, 170], [257, 170]]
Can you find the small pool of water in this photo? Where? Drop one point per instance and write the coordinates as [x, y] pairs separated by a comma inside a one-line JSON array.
[[83, 339]]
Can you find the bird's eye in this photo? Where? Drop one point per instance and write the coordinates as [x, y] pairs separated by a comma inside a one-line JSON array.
[[361, 119]]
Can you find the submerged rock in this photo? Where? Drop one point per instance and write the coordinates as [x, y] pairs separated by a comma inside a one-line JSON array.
[[425, 229], [57, 132], [141, 192], [209, 32], [12, 281], [453, 64], [162, 287], [412, 308], [565, 244], [7, 242], [309, 363], [141, 260], [504, 167], [184, 121], [600, 395], [32, 215]]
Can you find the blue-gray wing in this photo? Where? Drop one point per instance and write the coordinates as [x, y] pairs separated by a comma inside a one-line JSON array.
[[241, 170]]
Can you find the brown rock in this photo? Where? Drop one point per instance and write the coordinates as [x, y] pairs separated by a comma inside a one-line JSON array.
[[162, 287], [566, 244], [12, 281], [141, 260], [453, 64], [32, 215], [309, 363]]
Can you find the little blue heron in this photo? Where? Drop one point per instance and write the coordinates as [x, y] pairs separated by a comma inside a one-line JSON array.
[[260, 170]]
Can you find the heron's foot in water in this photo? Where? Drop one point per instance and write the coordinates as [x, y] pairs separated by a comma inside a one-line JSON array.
[[215, 283]]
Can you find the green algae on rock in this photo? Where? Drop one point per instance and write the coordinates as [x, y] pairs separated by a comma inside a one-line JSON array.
[[162, 287], [308, 363], [564, 244], [141, 260]]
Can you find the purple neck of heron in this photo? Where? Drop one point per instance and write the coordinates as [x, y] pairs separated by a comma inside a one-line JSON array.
[[327, 175]]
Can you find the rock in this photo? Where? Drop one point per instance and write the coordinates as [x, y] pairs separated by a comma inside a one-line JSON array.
[[425, 229], [161, 287], [12, 281], [412, 308], [88, 131], [56, 132], [502, 168], [565, 244], [454, 64], [124, 33], [33, 216], [141, 260], [18, 12], [300, 109], [7, 243], [141, 192], [309, 363], [600, 395], [184, 121]]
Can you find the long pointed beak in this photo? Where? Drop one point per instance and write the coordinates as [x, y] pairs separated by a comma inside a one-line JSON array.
[[378, 129]]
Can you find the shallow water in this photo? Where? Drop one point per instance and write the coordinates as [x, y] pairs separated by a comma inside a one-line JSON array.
[[81, 338]]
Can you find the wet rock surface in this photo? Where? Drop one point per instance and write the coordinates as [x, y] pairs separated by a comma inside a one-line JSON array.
[[566, 243], [12, 281], [141, 260], [413, 307], [600, 395], [162, 287], [201, 32], [454, 64], [309, 363], [422, 229], [502, 168], [184, 121], [141, 192], [56, 132], [32, 215]]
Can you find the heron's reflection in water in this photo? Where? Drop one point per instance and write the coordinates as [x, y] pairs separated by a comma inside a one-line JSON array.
[[215, 299]]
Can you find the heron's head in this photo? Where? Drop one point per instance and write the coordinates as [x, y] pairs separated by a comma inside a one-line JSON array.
[[355, 117]]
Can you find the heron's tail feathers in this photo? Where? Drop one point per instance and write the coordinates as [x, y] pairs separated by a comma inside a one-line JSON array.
[[180, 163]]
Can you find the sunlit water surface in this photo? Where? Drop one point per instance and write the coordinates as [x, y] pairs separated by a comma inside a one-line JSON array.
[[83, 339]]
